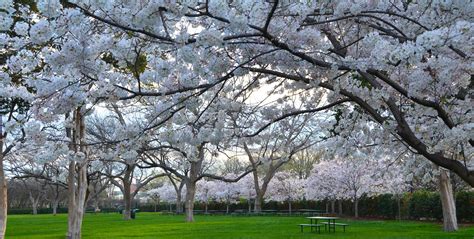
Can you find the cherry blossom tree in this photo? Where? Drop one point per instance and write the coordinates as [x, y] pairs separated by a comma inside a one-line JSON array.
[[323, 184], [271, 150], [227, 192], [286, 188], [166, 193], [347, 178], [206, 192], [399, 70], [392, 62], [246, 190]]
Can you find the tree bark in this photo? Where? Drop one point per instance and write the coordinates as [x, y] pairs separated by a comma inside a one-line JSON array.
[[258, 202], [289, 207], [399, 208], [35, 209], [179, 203], [3, 186], [333, 206], [34, 205], [189, 200], [77, 199], [194, 171], [127, 195], [448, 204], [55, 207], [339, 202], [77, 178], [250, 204], [356, 208]]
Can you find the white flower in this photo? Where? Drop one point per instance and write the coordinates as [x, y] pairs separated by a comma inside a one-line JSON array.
[[6, 4], [5, 21], [49, 8], [40, 32], [21, 28]]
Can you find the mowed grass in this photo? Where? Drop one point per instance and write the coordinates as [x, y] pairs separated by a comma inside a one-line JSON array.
[[154, 225]]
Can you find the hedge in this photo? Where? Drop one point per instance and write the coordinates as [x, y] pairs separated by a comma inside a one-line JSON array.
[[419, 205]]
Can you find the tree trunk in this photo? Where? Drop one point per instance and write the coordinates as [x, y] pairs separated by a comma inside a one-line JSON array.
[[289, 207], [127, 193], [179, 203], [399, 208], [3, 186], [356, 208], [34, 203], [77, 199], [205, 207], [194, 171], [96, 204], [258, 203], [55, 207], [448, 204], [333, 206], [77, 178], [339, 202], [227, 208], [127, 201], [34, 206], [189, 200], [327, 207], [250, 204]]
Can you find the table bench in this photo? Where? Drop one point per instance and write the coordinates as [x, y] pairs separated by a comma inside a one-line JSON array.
[[318, 226], [343, 225]]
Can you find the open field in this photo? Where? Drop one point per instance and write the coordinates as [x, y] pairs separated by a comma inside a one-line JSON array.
[[153, 225]]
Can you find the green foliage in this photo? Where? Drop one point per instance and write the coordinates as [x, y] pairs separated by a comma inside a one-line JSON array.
[[415, 206], [338, 116], [364, 83], [425, 204], [18, 105], [29, 3], [465, 206], [138, 66]]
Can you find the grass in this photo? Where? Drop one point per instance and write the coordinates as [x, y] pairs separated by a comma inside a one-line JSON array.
[[153, 225]]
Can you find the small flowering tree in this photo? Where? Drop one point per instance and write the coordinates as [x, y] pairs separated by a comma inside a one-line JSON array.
[[165, 193], [271, 150], [323, 183], [246, 190], [347, 178], [227, 192], [286, 187]]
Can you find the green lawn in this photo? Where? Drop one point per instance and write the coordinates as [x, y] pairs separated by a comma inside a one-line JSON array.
[[152, 225]]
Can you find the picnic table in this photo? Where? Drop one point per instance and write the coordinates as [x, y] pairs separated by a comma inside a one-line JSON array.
[[328, 225]]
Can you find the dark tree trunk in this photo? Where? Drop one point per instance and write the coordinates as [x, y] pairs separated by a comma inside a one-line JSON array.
[[3, 186], [339, 202], [356, 208], [333, 206]]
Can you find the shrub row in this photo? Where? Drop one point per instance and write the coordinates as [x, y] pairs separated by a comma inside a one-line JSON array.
[[419, 205]]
